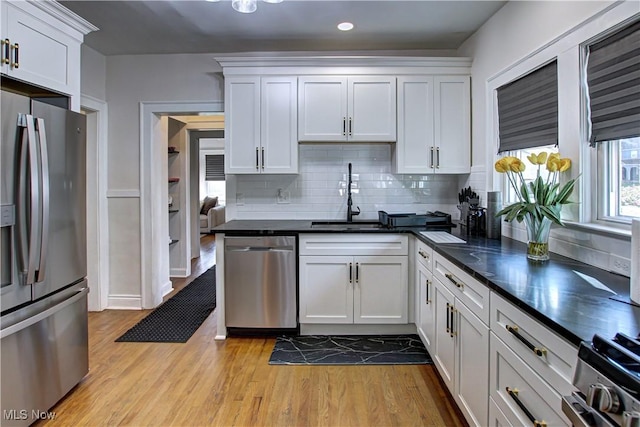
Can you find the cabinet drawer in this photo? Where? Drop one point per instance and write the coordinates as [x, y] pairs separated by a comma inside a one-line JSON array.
[[472, 293], [424, 254], [551, 357], [509, 372], [353, 244]]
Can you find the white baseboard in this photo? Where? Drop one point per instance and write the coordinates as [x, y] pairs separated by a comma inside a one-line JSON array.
[[178, 272], [166, 288], [124, 302]]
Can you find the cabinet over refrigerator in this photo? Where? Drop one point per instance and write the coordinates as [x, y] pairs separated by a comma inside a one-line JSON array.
[[43, 321]]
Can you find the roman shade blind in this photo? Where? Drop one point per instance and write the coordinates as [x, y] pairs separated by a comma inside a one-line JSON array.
[[613, 80], [528, 110], [214, 164]]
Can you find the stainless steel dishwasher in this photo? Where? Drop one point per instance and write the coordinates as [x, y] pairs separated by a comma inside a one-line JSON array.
[[260, 282]]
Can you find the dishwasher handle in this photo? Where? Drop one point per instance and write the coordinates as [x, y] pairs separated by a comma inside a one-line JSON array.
[[259, 248]]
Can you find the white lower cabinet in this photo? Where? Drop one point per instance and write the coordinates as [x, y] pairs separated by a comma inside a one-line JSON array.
[[361, 289], [461, 353], [521, 395], [426, 307]]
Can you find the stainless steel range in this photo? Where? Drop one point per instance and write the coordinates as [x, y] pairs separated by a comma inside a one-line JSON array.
[[607, 377]]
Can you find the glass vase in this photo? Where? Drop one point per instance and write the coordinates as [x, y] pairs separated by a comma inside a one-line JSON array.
[[538, 238]]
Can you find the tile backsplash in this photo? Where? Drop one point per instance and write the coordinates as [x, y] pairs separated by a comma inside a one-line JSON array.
[[318, 191]]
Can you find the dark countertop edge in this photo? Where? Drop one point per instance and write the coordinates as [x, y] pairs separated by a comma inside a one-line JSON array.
[[556, 327], [304, 226]]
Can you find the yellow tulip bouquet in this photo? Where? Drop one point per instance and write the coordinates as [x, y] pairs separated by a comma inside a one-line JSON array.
[[540, 200]]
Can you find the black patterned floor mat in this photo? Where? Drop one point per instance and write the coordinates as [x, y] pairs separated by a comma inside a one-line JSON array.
[[350, 350], [180, 316]]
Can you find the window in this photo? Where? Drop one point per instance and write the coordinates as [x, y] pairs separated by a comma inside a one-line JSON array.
[[528, 119], [619, 179], [212, 178], [529, 173], [528, 110], [613, 112]]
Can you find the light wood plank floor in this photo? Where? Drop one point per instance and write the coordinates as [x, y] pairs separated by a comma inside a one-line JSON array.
[[230, 383]]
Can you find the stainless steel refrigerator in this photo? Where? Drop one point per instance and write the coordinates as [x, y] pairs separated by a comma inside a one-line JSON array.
[[43, 320]]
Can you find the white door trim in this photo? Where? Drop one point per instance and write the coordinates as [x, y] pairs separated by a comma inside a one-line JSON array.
[[153, 243], [97, 205]]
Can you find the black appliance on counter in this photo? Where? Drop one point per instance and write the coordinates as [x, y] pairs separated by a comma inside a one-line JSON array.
[[607, 377], [430, 221]]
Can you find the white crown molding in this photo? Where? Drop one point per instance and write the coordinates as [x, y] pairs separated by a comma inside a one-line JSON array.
[[339, 64], [65, 15]]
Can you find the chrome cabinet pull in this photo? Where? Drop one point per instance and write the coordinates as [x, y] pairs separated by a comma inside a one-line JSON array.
[[513, 392], [431, 158], [350, 273], [262, 158], [539, 351], [438, 158], [357, 272], [344, 126], [350, 127], [257, 159], [449, 276]]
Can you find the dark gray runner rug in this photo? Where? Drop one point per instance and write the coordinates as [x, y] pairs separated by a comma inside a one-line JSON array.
[[180, 316], [350, 350]]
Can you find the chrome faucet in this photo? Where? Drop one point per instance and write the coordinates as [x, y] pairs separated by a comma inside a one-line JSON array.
[[350, 212]]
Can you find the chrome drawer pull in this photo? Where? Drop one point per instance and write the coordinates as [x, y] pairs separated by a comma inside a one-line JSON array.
[[449, 276], [539, 351], [513, 392]]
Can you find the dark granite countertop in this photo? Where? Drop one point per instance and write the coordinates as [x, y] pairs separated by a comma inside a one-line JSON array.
[[573, 299]]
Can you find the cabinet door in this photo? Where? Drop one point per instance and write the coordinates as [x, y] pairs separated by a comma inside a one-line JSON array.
[[472, 365], [381, 289], [322, 109], [326, 289], [452, 106], [444, 341], [414, 151], [371, 109], [426, 316], [40, 53], [278, 124], [242, 115]]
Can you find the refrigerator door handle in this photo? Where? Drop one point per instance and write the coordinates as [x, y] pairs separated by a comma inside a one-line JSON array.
[[28, 229], [44, 198]]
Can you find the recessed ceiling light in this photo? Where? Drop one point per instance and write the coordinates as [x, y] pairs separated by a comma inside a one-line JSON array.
[[345, 26]]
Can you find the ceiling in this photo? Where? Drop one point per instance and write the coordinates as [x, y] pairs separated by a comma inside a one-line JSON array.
[[162, 27]]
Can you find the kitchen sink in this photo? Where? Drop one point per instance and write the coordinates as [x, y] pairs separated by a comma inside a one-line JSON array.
[[344, 225]]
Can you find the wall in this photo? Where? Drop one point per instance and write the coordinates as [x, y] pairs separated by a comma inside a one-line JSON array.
[[93, 73], [319, 190], [516, 39], [130, 80]]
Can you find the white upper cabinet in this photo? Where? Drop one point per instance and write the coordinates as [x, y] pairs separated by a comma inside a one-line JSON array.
[[434, 125], [337, 108], [261, 114], [41, 45]]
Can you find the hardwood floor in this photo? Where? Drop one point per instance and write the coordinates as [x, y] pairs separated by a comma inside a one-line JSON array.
[[230, 383]]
